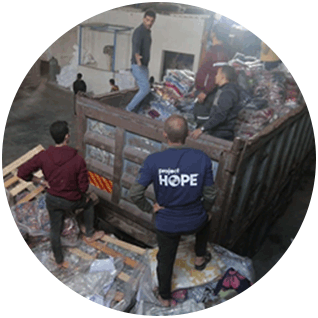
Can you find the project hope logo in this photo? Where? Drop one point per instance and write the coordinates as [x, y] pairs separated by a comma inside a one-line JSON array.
[[173, 178]]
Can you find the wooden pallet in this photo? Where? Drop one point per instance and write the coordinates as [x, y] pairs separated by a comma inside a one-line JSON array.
[[102, 247], [14, 185]]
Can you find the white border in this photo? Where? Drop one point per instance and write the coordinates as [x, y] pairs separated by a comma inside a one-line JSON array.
[[30, 27]]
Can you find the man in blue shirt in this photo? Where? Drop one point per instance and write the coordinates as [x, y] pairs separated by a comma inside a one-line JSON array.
[[141, 42], [184, 189]]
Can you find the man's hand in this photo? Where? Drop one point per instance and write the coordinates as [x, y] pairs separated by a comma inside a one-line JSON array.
[[138, 58], [45, 184], [201, 97], [41, 182], [196, 133], [157, 207]]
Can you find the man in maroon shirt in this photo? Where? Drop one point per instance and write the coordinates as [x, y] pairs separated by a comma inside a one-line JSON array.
[[66, 180], [205, 77]]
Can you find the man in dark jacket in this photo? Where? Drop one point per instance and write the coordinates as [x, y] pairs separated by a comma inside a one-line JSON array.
[[217, 114], [66, 180], [185, 192], [78, 86], [141, 43]]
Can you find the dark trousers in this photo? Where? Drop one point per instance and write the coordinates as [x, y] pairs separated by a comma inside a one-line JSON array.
[[58, 209], [168, 245]]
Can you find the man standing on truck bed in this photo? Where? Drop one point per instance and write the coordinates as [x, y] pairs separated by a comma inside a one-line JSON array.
[[141, 43], [182, 176], [66, 180]]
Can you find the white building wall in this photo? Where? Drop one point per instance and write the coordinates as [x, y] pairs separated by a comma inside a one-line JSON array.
[[176, 33], [62, 48]]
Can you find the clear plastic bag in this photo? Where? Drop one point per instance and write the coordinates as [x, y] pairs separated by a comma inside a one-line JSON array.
[[32, 219], [243, 265]]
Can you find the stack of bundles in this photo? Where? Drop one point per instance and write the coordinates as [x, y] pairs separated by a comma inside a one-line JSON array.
[[33, 221], [181, 81], [171, 97], [274, 94]]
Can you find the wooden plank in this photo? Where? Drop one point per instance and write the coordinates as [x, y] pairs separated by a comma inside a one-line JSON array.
[[24, 185], [118, 164], [80, 253], [11, 181], [32, 194], [119, 296], [99, 246], [123, 276], [127, 246], [17, 163]]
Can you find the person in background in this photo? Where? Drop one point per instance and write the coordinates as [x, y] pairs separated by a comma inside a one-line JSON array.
[[78, 86], [66, 181], [114, 87], [217, 114], [205, 77], [270, 59], [185, 191], [141, 43]]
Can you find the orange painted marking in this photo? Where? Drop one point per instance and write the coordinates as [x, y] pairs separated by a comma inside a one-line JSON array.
[[100, 182]]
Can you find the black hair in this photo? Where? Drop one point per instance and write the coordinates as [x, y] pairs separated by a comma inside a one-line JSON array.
[[112, 81], [59, 130], [229, 73], [176, 128], [79, 75], [151, 80], [150, 13]]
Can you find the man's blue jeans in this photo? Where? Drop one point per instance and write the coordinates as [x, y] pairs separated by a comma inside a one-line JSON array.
[[141, 75]]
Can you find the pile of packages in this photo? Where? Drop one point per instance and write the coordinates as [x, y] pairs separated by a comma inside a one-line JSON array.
[[235, 274], [33, 221], [272, 94], [125, 279], [171, 97], [97, 276], [101, 278]]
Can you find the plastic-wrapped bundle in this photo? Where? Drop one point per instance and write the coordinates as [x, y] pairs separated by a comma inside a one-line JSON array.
[[100, 128], [98, 154], [32, 219], [142, 143], [97, 280], [128, 289], [243, 265], [161, 110], [181, 81], [271, 86], [148, 304]]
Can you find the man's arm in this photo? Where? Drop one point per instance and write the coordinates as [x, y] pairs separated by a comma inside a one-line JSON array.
[[209, 195], [137, 195], [209, 189], [26, 170], [136, 44], [219, 112], [82, 177]]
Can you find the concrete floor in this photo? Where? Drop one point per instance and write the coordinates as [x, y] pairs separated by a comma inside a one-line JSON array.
[[28, 123]]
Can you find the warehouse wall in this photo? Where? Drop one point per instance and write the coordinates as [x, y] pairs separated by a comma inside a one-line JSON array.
[[62, 48], [176, 33]]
